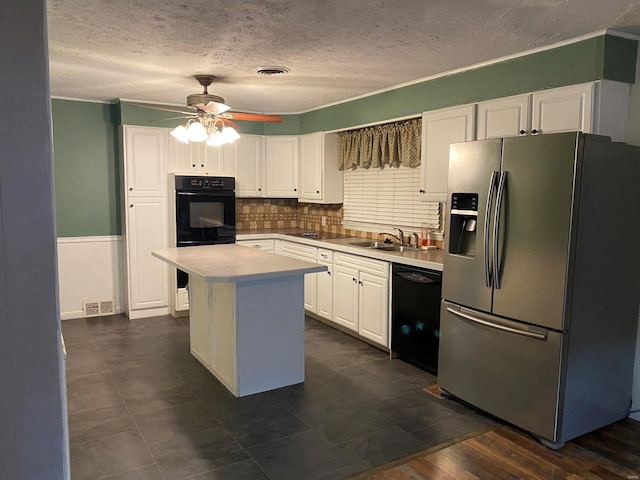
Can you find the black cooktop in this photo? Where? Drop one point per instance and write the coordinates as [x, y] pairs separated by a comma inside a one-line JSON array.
[[318, 235]]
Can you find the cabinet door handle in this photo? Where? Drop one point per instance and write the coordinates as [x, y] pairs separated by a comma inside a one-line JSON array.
[[522, 132], [131, 206], [421, 191], [317, 191], [130, 189], [356, 281], [295, 189], [534, 131], [328, 273], [259, 189], [360, 283]]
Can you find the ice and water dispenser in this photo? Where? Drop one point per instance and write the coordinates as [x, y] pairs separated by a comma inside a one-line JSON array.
[[463, 223]]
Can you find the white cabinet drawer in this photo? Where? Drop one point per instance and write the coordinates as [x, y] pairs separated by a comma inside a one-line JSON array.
[[303, 251], [325, 256], [374, 267], [264, 245]]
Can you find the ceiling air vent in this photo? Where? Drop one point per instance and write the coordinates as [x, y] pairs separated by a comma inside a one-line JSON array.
[[273, 70]]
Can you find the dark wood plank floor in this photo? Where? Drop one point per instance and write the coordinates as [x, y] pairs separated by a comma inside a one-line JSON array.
[[611, 453]]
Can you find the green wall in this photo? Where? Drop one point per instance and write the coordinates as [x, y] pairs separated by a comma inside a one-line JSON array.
[[84, 134], [87, 182]]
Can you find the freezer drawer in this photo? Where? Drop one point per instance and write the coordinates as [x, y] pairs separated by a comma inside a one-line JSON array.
[[508, 369]]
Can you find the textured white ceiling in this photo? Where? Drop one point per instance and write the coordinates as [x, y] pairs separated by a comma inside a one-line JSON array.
[[149, 50]]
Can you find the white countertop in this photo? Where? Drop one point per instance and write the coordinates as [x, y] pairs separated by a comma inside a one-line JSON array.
[[431, 259], [233, 263]]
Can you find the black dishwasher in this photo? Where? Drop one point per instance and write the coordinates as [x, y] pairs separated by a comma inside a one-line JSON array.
[[415, 315]]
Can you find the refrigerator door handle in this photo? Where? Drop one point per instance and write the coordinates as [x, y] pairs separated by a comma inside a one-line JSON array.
[[487, 219], [496, 228], [504, 328]]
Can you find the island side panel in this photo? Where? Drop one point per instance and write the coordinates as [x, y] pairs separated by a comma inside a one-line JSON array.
[[222, 299], [212, 328], [199, 322], [270, 334]]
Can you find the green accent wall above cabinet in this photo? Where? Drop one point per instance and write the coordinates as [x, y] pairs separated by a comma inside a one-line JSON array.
[[87, 180]]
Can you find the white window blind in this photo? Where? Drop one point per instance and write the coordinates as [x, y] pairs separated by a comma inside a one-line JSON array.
[[380, 199]]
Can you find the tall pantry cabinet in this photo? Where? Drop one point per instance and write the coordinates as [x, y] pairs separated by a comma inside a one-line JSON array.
[[145, 214]]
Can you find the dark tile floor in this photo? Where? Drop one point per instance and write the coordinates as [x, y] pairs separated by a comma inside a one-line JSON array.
[[142, 408]]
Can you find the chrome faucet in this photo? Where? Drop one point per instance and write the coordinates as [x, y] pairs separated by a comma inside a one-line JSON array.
[[400, 234], [416, 239], [392, 236]]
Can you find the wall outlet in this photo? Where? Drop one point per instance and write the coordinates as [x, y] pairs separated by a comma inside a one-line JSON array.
[[324, 221]]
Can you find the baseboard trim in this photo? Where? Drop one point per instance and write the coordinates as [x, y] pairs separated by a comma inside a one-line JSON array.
[[147, 312]]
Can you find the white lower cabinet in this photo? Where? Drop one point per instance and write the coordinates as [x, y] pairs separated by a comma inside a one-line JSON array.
[[308, 254], [361, 296], [324, 285], [146, 230], [345, 296], [267, 245]]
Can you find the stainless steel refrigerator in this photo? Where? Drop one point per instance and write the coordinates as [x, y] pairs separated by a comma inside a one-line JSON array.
[[541, 281]]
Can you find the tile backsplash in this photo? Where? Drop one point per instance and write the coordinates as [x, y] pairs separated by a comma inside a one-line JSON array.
[[259, 213]]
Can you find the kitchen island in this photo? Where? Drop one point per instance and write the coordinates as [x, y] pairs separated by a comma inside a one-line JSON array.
[[246, 314]]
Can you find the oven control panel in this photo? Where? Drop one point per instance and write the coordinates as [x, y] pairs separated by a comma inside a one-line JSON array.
[[199, 183]]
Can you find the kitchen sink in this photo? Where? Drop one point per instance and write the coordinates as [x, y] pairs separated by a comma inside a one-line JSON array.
[[389, 247]]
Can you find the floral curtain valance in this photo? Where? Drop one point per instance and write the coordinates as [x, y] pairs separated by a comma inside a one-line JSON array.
[[391, 144]]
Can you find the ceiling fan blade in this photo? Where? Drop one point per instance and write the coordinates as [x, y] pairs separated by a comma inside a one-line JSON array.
[[161, 109], [171, 118], [253, 117], [215, 107], [229, 123]]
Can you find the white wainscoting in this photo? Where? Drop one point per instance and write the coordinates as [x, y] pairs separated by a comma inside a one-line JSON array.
[[89, 270]]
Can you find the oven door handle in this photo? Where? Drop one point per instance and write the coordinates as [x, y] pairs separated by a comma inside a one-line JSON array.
[[219, 193]]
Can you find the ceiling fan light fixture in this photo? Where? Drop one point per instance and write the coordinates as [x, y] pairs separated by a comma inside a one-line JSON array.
[[215, 139], [181, 134], [229, 134], [197, 132]]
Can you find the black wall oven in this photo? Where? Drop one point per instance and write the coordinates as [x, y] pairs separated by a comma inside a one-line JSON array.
[[205, 213]]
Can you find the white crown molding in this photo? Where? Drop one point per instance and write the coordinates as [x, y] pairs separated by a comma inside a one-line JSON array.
[[55, 97]]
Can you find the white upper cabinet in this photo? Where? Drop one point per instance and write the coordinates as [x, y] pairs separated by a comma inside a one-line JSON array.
[[146, 175], [197, 158], [246, 157], [440, 129], [320, 179], [597, 107], [504, 117], [311, 167], [563, 109], [281, 163]]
